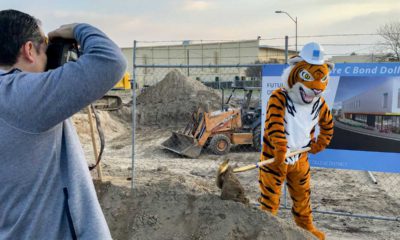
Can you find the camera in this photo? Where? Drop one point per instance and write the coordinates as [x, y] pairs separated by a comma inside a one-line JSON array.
[[60, 51]]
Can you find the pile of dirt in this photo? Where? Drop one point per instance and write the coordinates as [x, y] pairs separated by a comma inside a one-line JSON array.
[[112, 126], [172, 101], [169, 210]]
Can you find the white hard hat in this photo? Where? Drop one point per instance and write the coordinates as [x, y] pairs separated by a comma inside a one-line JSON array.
[[313, 53]]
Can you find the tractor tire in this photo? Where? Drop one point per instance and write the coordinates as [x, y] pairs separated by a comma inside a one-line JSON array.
[[257, 139], [220, 144]]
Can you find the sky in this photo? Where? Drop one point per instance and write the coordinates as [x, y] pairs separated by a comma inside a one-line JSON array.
[[177, 20]]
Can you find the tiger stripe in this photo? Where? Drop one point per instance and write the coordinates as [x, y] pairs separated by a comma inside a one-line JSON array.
[[274, 132], [325, 123], [275, 140]]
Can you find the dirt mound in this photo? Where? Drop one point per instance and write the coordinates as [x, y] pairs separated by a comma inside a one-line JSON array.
[[112, 126], [168, 210], [172, 101], [124, 114]]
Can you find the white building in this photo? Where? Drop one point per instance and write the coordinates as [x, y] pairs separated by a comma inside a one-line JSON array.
[[202, 54], [384, 99], [378, 107]]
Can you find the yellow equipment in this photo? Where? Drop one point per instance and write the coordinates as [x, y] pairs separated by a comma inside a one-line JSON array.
[[218, 131], [124, 83], [114, 102]]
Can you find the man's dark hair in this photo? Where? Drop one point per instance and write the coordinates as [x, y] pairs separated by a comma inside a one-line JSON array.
[[17, 28]]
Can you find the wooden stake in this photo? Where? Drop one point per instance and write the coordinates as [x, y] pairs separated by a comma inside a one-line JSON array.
[[98, 168]]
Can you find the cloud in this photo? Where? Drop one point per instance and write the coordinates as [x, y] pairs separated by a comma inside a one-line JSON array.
[[196, 5], [161, 20]]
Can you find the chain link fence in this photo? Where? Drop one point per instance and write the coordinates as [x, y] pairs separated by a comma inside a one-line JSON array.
[[202, 109]]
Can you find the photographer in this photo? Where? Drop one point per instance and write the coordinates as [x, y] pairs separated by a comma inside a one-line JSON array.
[[46, 190]]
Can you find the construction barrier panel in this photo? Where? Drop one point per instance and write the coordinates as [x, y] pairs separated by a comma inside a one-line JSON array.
[[365, 102]]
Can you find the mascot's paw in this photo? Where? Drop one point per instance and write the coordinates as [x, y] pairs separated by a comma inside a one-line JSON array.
[[279, 158], [312, 229], [316, 147], [320, 235]]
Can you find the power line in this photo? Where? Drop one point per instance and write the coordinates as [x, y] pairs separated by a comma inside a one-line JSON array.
[[272, 38], [341, 35]]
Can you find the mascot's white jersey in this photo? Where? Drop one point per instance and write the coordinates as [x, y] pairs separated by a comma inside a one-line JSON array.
[[300, 119]]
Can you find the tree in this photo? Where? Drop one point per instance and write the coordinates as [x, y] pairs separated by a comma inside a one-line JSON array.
[[390, 32]]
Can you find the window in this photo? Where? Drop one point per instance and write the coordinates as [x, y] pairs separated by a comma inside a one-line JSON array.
[[145, 63], [398, 98], [216, 60], [385, 100]]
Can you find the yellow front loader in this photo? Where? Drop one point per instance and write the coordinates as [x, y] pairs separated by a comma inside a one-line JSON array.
[[219, 130], [114, 102], [216, 130]]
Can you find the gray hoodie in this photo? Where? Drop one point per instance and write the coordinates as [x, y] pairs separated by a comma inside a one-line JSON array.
[[46, 191]]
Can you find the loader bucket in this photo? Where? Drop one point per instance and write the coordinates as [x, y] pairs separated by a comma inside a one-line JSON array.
[[183, 144]]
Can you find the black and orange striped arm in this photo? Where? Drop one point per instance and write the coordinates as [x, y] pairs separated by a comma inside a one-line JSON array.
[[274, 138], [325, 125]]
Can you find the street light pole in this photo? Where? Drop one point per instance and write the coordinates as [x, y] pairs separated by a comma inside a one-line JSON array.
[[294, 20], [296, 33]]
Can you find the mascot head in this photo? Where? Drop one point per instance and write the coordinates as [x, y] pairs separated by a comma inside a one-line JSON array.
[[307, 76]]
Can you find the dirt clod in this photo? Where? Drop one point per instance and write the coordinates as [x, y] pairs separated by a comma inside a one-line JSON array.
[[231, 187]]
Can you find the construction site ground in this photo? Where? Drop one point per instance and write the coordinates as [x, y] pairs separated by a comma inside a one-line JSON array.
[[176, 198]]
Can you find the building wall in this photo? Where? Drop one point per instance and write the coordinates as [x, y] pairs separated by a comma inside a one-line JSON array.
[[198, 54], [274, 55], [218, 53], [128, 53], [372, 101], [396, 96]]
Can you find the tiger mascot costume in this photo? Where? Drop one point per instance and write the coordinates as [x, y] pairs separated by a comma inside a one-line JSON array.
[[292, 115]]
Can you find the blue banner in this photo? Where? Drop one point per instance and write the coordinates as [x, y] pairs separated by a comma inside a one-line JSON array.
[[356, 160], [366, 69], [272, 69], [365, 101], [347, 69]]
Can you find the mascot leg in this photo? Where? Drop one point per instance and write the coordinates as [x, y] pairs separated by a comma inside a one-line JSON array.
[[298, 182], [271, 179]]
